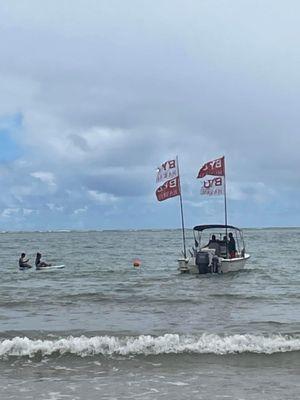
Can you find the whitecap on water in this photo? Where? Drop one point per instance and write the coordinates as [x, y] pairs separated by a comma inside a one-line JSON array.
[[150, 345]]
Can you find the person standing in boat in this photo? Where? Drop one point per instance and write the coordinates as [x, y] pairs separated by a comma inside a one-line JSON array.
[[212, 240], [231, 246], [39, 263], [214, 244], [23, 262]]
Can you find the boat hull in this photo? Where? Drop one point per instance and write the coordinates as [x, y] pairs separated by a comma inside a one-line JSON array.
[[188, 265]]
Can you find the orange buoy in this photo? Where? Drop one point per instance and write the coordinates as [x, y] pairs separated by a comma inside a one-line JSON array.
[[136, 262]]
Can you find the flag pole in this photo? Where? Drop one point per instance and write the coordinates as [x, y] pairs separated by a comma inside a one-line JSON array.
[[181, 209], [225, 206]]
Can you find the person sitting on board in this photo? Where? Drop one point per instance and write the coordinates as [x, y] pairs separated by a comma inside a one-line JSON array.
[[231, 246], [39, 263], [23, 262]]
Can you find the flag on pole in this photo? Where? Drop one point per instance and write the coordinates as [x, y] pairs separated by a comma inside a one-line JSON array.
[[215, 167], [213, 186], [167, 179]]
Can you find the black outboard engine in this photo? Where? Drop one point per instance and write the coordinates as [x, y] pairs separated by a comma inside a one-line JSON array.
[[202, 261]]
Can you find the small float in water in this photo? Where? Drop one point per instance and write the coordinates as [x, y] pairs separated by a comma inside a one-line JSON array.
[[136, 263]]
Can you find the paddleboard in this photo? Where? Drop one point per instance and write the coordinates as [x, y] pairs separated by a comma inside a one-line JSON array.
[[51, 267], [25, 268]]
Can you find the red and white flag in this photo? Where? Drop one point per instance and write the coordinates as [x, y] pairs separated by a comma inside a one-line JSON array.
[[168, 180], [215, 168], [213, 186]]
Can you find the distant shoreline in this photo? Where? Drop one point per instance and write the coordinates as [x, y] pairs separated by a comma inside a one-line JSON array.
[[136, 230]]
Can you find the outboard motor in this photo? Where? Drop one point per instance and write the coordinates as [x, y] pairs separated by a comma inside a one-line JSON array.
[[202, 261]]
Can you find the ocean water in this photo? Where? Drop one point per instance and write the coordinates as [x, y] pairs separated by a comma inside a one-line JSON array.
[[102, 329]]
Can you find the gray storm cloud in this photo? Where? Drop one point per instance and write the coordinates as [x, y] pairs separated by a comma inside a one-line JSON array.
[[108, 90]]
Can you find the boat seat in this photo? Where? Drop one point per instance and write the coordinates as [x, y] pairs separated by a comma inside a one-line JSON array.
[[223, 250]]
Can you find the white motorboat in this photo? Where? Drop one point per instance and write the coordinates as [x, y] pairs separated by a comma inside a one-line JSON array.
[[213, 252]]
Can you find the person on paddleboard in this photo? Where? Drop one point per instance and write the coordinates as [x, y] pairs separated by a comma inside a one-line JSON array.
[[39, 263], [23, 262]]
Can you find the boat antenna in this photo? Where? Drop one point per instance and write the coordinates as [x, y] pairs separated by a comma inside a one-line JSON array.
[[181, 209], [225, 205]]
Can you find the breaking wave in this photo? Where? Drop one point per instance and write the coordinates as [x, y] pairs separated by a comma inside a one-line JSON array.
[[149, 345]]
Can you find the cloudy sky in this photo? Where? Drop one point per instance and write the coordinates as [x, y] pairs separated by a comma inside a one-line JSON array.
[[95, 94]]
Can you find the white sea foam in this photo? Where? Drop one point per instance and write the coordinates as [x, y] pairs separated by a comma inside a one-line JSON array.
[[147, 345]]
